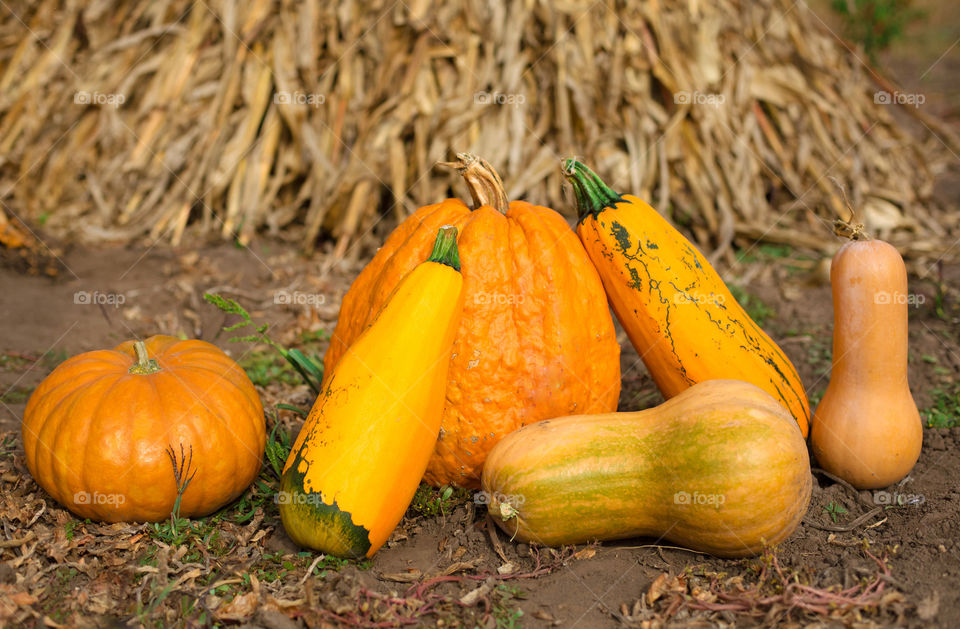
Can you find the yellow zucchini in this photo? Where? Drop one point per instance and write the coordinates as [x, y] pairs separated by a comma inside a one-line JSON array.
[[363, 449]]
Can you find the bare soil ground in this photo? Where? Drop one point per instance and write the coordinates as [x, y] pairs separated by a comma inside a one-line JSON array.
[[877, 563]]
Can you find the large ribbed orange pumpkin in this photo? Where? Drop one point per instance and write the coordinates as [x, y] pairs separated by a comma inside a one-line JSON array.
[[536, 339], [103, 432]]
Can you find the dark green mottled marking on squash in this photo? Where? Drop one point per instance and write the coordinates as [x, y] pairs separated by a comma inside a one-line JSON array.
[[594, 198], [622, 235], [309, 506], [731, 325], [636, 283]]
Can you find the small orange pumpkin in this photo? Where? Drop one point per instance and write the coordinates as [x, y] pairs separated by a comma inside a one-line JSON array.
[[103, 432], [536, 339]]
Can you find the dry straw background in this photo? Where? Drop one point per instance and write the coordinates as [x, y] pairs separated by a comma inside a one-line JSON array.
[[315, 120]]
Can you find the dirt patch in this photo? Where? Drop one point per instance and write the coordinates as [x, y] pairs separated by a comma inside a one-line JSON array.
[[893, 567]]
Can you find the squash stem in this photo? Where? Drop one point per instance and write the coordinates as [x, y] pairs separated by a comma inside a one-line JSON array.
[[484, 183], [445, 248], [508, 511], [144, 365], [593, 195]]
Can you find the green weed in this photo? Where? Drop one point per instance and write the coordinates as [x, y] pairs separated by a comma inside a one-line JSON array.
[[876, 24], [504, 615], [309, 369], [431, 501], [16, 395], [945, 410], [834, 510], [755, 308]]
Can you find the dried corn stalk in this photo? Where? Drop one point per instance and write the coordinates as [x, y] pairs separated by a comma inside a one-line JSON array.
[[120, 120]]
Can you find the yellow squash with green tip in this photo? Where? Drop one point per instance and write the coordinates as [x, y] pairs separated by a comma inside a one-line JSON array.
[[360, 456], [676, 309]]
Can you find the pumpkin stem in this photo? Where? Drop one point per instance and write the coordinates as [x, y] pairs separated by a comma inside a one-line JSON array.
[[144, 365], [484, 183], [593, 195], [445, 248]]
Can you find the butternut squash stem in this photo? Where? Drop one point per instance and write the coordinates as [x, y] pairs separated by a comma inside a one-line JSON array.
[[849, 228], [445, 248], [593, 195], [508, 511], [144, 365]]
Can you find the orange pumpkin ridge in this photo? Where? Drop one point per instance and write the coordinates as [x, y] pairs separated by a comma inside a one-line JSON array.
[[536, 339]]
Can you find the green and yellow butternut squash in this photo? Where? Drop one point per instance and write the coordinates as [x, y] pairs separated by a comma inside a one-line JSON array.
[[720, 468]]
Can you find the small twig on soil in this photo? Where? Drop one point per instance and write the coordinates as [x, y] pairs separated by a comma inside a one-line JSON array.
[[37, 514], [659, 547], [837, 479], [313, 565], [13, 543], [789, 595], [491, 527], [846, 527]]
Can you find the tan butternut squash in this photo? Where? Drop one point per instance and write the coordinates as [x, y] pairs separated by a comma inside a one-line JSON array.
[[867, 429]]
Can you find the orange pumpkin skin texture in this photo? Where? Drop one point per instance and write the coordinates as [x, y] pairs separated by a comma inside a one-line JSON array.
[[676, 309], [721, 468], [536, 339], [867, 429], [97, 437]]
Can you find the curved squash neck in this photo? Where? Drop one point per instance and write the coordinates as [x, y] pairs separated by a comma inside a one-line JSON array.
[[445, 248], [593, 195]]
